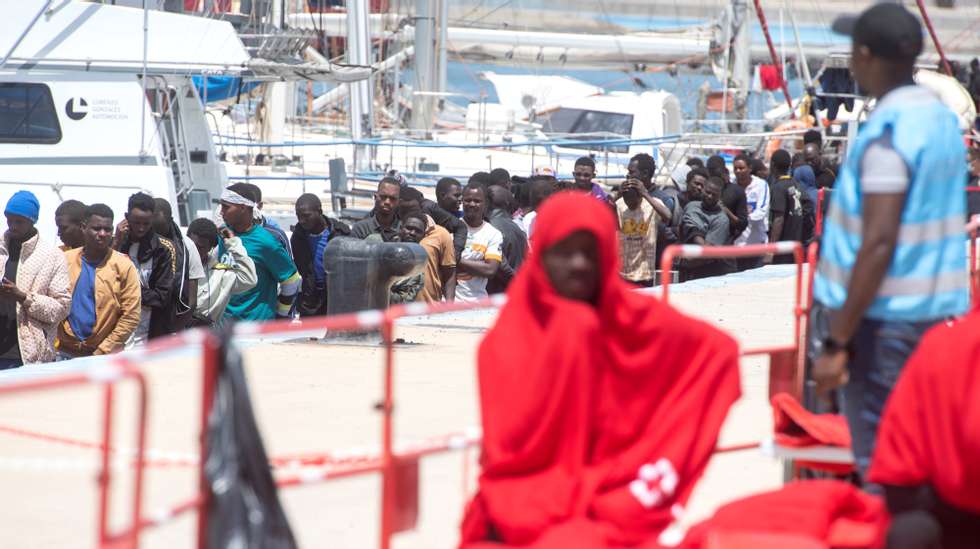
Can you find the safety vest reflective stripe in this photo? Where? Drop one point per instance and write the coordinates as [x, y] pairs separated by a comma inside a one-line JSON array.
[[909, 233], [904, 286]]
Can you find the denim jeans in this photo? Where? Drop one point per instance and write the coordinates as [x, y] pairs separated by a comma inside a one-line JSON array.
[[881, 348]]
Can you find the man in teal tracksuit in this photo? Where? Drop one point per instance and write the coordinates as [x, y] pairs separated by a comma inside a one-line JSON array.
[[893, 254]]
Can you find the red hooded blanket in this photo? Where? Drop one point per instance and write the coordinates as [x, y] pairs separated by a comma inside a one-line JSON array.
[[930, 431], [597, 419]]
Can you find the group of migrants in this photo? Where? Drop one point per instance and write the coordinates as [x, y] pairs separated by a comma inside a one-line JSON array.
[[602, 406]]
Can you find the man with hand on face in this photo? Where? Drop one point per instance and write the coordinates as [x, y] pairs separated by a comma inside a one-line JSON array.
[[481, 257], [189, 270], [69, 218], [309, 240], [638, 214], [278, 281], [155, 261], [34, 295], [223, 279], [383, 222], [105, 292]]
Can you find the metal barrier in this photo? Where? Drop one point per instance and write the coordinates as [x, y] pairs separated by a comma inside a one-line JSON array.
[[786, 362], [107, 374], [397, 466]]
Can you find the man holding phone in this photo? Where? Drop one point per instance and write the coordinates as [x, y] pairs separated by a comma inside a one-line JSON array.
[[154, 258], [34, 294]]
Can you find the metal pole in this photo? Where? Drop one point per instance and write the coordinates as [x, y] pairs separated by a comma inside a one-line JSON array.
[[23, 33], [146, 45], [799, 48], [935, 38], [443, 42], [772, 54]]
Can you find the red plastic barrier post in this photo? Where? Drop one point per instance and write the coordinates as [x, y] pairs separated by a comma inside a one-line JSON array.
[[388, 487], [818, 225], [108, 374], [211, 360]]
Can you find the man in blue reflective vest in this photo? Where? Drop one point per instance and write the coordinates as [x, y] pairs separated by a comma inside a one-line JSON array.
[[893, 255]]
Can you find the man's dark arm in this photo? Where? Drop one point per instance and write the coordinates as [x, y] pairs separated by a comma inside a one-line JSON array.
[[778, 209], [459, 238], [741, 214], [448, 276], [776, 232], [881, 221]]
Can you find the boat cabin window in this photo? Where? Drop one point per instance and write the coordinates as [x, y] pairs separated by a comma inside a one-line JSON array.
[[27, 114], [590, 125]]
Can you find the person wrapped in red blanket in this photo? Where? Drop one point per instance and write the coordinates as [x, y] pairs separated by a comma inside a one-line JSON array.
[[601, 406], [927, 456]]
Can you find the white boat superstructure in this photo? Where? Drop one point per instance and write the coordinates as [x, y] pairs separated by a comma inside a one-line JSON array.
[[99, 101]]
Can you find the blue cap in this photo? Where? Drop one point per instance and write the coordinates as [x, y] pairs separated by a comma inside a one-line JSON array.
[[24, 204]]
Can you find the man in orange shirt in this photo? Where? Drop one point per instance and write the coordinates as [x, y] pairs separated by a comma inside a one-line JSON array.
[[440, 268]]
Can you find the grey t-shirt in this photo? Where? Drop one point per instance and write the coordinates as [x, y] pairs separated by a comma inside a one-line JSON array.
[[713, 226]]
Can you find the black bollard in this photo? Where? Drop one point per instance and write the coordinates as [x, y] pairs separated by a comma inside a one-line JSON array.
[[360, 272]]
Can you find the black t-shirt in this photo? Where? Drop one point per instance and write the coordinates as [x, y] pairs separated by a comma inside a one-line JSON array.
[[9, 347], [787, 201], [733, 197]]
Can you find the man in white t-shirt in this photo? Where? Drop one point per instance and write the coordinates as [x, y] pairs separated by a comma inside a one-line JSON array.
[[757, 198], [481, 256]]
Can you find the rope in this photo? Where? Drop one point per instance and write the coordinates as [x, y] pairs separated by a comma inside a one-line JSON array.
[[775, 57], [935, 39]]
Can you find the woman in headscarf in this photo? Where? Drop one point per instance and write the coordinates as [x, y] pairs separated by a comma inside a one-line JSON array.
[[601, 406]]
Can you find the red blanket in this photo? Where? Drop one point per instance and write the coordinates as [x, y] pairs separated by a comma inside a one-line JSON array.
[[811, 514], [796, 426], [597, 419], [930, 430]]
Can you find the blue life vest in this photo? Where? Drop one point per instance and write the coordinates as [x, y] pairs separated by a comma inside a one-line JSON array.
[[928, 277]]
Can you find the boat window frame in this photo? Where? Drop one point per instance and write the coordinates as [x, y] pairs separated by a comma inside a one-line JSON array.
[[580, 116], [44, 101]]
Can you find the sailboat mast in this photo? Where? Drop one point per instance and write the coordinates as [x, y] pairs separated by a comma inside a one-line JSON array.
[[361, 97], [425, 64]]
